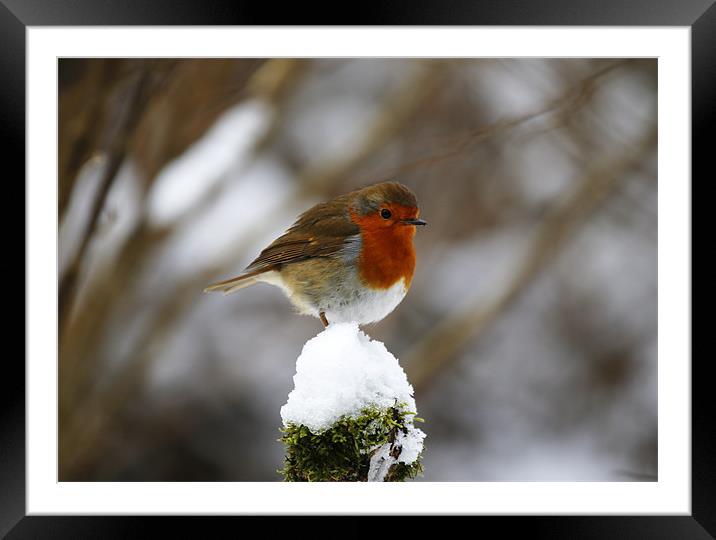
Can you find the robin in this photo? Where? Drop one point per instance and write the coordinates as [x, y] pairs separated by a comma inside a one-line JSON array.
[[348, 259]]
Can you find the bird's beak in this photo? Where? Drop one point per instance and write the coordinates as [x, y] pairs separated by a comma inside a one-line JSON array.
[[414, 222]]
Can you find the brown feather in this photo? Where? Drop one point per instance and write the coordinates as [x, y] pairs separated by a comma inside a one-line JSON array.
[[321, 231], [235, 283]]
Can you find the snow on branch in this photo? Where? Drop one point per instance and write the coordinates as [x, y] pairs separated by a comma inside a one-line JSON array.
[[351, 414]]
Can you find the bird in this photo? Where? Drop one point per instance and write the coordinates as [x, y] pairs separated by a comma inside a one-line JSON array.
[[350, 259]]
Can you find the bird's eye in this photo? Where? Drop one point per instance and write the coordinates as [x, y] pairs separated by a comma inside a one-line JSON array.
[[385, 213]]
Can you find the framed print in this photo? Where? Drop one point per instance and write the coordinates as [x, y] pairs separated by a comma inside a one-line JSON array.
[[500, 199]]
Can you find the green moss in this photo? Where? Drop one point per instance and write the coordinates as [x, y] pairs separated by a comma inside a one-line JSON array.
[[342, 453]]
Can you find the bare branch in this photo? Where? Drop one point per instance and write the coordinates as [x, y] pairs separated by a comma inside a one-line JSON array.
[[136, 101]]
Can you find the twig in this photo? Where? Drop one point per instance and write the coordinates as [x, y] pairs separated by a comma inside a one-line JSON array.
[[574, 98], [136, 101]]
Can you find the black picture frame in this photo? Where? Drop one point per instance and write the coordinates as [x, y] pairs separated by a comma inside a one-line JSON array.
[[17, 15]]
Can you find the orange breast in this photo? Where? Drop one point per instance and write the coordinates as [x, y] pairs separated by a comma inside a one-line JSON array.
[[387, 253]]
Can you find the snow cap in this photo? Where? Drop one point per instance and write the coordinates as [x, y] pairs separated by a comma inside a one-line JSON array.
[[340, 372]]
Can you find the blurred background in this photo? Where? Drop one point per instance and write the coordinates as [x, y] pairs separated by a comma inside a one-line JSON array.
[[530, 330]]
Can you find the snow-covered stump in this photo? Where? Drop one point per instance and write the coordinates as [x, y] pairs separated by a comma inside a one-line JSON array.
[[350, 416]]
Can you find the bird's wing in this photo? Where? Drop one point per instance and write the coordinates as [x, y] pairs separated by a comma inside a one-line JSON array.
[[323, 231], [323, 238]]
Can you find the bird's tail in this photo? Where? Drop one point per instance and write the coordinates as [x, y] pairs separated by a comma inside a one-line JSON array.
[[234, 284]]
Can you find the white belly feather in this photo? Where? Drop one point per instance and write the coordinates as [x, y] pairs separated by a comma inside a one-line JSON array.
[[371, 305], [365, 306]]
